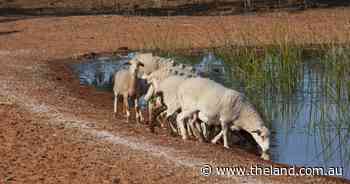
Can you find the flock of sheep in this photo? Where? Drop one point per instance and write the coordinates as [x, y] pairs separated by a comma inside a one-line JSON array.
[[176, 92]]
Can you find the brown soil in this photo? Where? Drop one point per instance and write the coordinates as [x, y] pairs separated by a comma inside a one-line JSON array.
[[52, 130]]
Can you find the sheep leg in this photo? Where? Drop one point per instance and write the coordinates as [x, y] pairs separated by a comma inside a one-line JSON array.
[[136, 107], [141, 116], [195, 127], [204, 130], [162, 119], [155, 113], [189, 127], [115, 105], [224, 126], [126, 106], [181, 124], [199, 130], [223, 133], [140, 113], [217, 137], [150, 110], [173, 128]]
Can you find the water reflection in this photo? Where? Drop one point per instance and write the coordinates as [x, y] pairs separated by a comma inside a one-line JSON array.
[[99, 72]]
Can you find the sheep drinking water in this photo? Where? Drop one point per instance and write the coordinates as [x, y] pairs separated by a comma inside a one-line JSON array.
[[215, 104]]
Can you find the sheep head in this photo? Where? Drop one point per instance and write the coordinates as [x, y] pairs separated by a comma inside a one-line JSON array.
[[262, 137], [135, 65], [133, 82]]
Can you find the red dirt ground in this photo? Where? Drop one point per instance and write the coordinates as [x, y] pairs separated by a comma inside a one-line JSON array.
[[52, 130]]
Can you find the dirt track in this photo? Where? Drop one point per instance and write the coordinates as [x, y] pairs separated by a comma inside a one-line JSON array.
[[54, 131]]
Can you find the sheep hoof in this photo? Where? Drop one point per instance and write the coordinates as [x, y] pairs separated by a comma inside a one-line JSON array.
[[138, 121], [201, 140], [142, 120], [227, 147], [265, 156]]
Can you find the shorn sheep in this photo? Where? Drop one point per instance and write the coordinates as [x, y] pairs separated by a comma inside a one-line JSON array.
[[128, 84], [189, 98], [213, 104], [152, 63], [164, 83], [166, 90]]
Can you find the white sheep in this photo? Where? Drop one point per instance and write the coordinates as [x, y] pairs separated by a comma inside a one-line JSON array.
[[165, 91], [157, 69], [127, 84], [152, 63], [165, 82], [214, 103]]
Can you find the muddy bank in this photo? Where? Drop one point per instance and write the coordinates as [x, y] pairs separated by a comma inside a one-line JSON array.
[[59, 131]]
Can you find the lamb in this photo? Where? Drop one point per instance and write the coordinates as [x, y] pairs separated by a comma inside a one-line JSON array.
[[127, 84], [213, 103]]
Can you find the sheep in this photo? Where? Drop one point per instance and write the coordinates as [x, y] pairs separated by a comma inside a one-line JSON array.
[[161, 74], [127, 84], [250, 121], [160, 68], [157, 76], [152, 63], [166, 89], [165, 81], [215, 103]]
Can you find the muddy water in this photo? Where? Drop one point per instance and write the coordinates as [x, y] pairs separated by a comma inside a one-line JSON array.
[[308, 128]]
